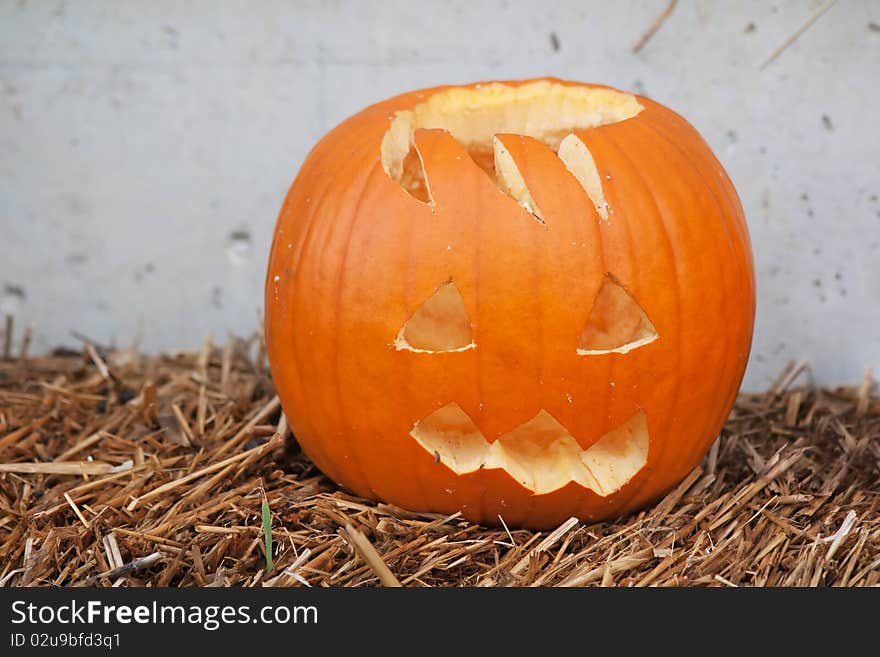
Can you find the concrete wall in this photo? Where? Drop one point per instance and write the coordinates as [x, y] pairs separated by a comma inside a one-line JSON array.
[[145, 147]]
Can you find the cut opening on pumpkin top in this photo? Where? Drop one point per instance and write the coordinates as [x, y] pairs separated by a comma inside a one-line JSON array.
[[547, 111]]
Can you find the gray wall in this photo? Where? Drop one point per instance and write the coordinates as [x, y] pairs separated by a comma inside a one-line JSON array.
[[145, 147]]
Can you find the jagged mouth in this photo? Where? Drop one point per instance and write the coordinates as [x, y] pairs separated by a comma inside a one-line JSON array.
[[540, 454]]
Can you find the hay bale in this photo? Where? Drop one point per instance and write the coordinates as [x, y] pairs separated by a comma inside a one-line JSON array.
[[117, 468]]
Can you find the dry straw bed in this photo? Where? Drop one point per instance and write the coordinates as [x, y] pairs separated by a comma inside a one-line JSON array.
[[118, 469]]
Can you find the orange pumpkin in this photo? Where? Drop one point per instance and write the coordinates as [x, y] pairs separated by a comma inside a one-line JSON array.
[[529, 300]]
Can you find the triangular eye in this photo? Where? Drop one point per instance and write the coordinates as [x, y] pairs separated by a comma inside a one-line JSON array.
[[440, 324], [617, 324]]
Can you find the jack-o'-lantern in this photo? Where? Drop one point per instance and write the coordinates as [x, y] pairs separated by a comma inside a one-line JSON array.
[[527, 300]]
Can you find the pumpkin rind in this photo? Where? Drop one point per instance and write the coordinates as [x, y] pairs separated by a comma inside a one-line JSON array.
[[354, 255]]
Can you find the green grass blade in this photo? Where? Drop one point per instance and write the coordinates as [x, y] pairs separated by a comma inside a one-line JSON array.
[[267, 534]]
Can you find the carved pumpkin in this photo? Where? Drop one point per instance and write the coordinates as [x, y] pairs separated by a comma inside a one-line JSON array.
[[526, 299]]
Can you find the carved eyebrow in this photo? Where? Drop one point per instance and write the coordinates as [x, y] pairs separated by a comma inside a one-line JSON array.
[[440, 324]]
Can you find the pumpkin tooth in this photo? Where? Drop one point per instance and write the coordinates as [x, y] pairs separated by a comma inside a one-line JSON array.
[[578, 159], [511, 180], [414, 180], [617, 323], [420, 177], [396, 143], [445, 165], [619, 454], [539, 454]]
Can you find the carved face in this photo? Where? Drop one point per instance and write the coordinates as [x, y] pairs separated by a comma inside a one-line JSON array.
[[540, 454], [531, 300]]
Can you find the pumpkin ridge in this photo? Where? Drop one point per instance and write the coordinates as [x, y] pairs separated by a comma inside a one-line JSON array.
[[662, 222], [296, 257], [725, 220]]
